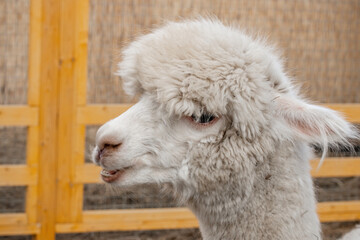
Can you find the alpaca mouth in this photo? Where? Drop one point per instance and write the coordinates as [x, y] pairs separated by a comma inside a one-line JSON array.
[[110, 176]]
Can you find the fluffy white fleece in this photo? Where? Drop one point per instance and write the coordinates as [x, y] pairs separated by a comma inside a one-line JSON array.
[[246, 173]]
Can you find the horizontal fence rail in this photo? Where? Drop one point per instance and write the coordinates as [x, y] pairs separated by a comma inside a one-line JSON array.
[[154, 219], [19, 115], [17, 224], [17, 175], [96, 114]]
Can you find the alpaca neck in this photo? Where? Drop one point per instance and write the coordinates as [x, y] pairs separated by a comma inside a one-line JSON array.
[[281, 205]]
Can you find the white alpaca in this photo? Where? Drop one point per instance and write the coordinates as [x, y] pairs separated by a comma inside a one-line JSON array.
[[353, 235], [221, 123]]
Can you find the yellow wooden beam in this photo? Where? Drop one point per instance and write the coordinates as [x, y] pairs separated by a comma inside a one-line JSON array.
[[9, 230], [32, 142], [81, 50], [154, 214], [131, 220], [351, 111], [80, 77], [18, 115], [88, 173], [49, 81], [100, 113], [17, 175], [34, 58], [32, 158], [16, 224], [339, 211], [126, 226], [151, 219], [336, 167], [13, 219], [72, 29], [175, 218]]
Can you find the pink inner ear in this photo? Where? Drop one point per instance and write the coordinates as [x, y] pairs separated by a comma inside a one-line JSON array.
[[302, 116], [304, 127], [293, 113], [309, 129]]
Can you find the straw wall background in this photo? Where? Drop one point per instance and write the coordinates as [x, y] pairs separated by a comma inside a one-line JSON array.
[[320, 39], [14, 35]]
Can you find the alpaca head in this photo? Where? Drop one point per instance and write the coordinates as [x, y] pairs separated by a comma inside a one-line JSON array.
[[214, 104]]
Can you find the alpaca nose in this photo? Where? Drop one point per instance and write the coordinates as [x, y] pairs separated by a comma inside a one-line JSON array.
[[108, 142], [105, 146], [108, 146]]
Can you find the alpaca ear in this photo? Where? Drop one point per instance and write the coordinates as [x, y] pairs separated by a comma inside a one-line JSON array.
[[315, 124]]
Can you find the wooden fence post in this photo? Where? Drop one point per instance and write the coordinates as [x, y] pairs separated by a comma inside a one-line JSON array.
[[62, 67], [32, 143], [73, 57], [48, 115]]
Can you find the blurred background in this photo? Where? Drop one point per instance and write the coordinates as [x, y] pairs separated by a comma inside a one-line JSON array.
[[320, 40]]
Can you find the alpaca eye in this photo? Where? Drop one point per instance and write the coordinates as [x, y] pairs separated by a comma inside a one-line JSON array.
[[204, 118]]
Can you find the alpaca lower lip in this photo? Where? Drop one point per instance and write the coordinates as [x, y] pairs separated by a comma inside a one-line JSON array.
[[110, 176]]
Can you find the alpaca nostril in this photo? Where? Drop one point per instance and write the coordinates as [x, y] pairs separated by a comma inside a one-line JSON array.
[[109, 146], [106, 149], [107, 142]]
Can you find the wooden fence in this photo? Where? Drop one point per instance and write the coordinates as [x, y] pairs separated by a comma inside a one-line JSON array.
[[56, 116]]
